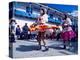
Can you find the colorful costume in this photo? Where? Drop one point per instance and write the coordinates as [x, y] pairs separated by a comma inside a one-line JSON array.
[[67, 33]]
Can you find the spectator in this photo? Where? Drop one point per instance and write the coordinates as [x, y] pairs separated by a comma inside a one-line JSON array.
[[12, 24], [25, 31], [58, 32], [18, 31]]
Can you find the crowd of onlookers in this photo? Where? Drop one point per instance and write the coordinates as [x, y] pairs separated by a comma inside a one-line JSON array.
[[15, 32]]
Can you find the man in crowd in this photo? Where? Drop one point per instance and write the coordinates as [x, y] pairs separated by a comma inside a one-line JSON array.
[[25, 31]]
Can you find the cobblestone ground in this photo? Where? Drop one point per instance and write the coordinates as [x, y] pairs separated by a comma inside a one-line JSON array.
[[24, 48]]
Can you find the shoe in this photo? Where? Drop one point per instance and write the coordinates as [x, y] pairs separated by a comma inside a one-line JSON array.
[[39, 48], [46, 49]]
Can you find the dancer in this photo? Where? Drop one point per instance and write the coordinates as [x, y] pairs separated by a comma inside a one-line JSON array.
[[67, 33], [43, 18]]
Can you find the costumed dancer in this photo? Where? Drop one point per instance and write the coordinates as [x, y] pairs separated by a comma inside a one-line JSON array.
[[67, 33], [42, 19]]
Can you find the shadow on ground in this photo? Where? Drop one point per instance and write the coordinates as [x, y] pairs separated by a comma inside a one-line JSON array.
[[24, 48]]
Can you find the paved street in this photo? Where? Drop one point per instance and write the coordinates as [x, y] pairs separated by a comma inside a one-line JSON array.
[[23, 49]]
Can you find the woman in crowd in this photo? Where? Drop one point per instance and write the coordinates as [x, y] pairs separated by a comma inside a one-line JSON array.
[[18, 31], [12, 26], [67, 33], [58, 33]]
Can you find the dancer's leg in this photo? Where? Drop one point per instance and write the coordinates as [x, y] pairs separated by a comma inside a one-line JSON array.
[[39, 41], [43, 40], [64, 42]]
